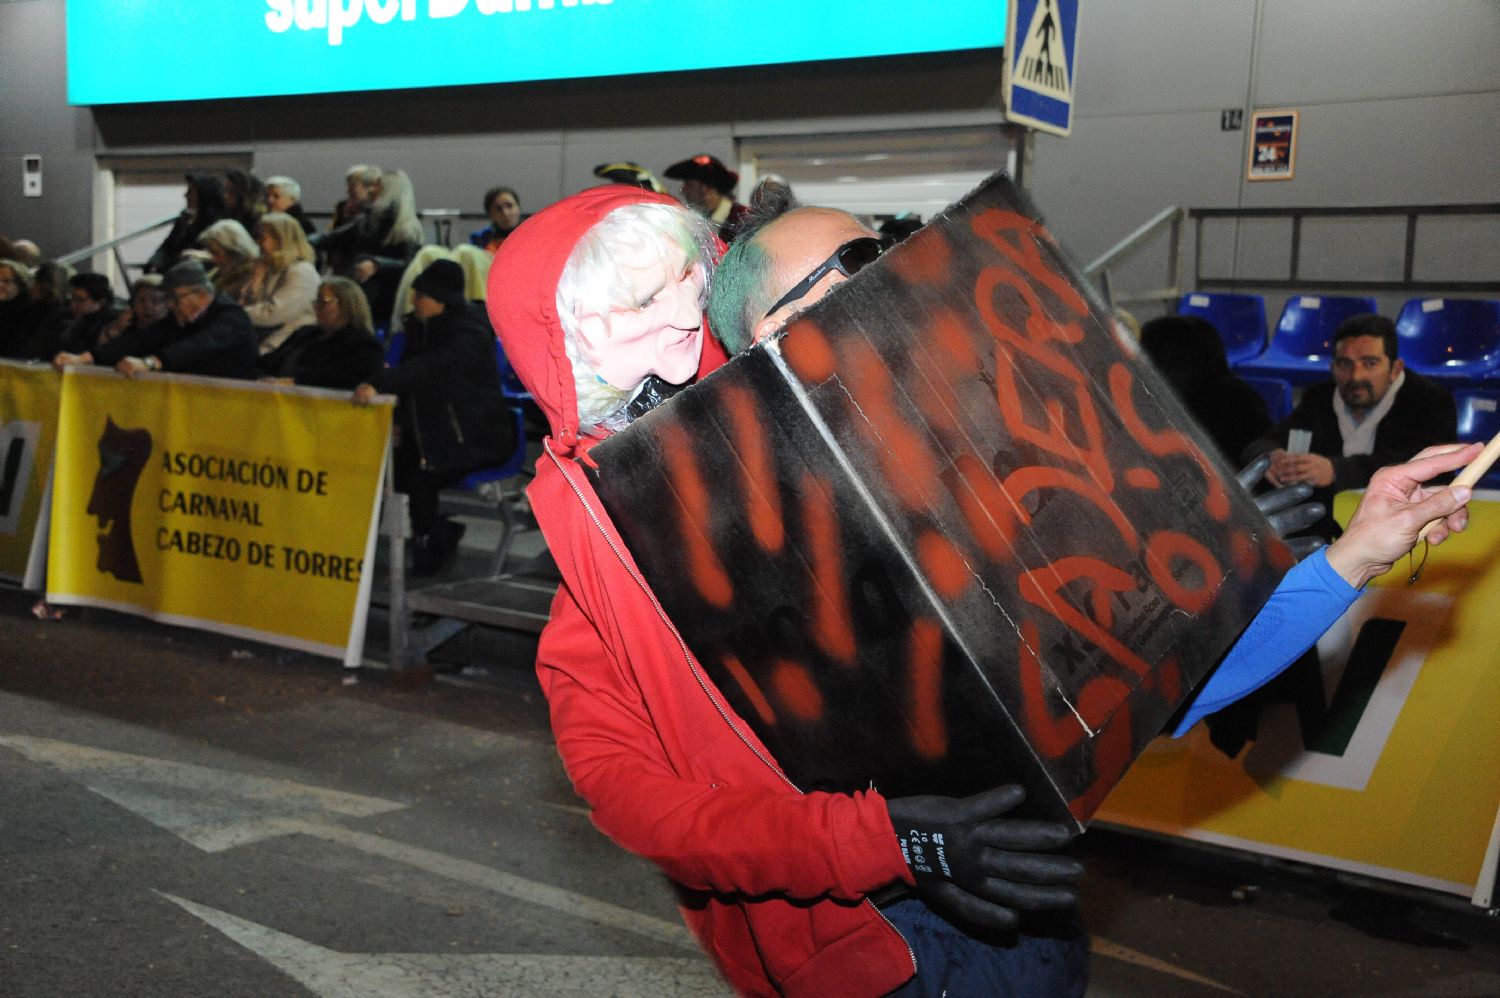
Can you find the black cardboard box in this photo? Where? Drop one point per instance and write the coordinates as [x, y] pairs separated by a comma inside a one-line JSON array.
[[947, 531]]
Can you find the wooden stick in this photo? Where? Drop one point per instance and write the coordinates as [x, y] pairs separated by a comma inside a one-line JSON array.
[[1471, 475]]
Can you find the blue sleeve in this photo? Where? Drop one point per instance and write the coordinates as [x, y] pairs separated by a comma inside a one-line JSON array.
[[1306, 603]]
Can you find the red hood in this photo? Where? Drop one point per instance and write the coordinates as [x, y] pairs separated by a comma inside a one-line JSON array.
[[522, 300]]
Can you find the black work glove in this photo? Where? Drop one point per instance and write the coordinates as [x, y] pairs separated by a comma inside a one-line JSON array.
[[979, 866], [1287, 507]]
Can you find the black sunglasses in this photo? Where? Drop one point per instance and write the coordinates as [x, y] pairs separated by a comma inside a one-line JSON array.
[[849, 259]]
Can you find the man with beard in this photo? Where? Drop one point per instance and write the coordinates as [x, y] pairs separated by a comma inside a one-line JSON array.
[[1373, 413]]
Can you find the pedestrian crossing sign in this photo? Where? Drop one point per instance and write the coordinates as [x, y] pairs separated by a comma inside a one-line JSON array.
[[1041, 55]]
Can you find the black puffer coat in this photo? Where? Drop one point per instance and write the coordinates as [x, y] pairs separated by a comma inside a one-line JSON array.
[[451, 408]]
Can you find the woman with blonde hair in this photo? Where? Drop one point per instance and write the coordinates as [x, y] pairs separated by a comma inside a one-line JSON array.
[[279, 294], [338, 350], [380, 242], [234, 255]]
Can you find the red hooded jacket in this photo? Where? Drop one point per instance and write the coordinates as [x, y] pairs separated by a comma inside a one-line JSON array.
[[773, 882]]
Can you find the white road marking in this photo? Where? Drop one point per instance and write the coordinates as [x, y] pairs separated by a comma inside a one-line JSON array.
[[330, 974], [567, 902], [215, 809], [1105, 948]]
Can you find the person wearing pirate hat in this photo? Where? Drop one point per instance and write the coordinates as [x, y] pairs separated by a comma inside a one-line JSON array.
[[631, 174], [708, 188]]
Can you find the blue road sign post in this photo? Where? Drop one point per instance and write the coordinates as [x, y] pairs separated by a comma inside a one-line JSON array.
[[1041, 56]]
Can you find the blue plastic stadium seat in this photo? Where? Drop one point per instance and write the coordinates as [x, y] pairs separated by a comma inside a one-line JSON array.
[[395, 348], [1479, 419], [1455, 339], [1240, 320], [512, 465], [1301, 349], [1277, 393], [517, 460]]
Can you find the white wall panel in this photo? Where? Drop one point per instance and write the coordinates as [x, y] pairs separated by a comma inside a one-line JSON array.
[[1372, 50]]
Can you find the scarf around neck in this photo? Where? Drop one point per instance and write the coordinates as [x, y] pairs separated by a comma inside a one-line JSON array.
[[1359, 438]]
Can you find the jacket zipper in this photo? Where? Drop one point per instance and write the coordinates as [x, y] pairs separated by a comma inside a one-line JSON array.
[[703, 683], [417, 433], [453, 420]]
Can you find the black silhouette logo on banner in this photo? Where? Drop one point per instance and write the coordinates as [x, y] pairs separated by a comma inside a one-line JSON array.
[[122, 456]]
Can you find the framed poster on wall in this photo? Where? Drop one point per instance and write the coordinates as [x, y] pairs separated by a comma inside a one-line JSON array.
[[1273, 145]]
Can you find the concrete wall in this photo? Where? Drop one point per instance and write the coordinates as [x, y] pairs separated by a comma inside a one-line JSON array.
[[1398, 104]]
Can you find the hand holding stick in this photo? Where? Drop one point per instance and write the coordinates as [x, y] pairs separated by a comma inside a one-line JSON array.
[[1470, 476]]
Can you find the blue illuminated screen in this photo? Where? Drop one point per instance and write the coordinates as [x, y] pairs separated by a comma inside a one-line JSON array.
[[126, 51]]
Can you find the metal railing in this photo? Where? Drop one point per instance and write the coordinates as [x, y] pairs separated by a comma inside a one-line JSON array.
[[113, 245], [442, 220], [1295, 282], [1172, 217]]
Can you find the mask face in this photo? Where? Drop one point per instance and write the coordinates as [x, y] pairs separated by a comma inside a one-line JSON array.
[[660, 334]]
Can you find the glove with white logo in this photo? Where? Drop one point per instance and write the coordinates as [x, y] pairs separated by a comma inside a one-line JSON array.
[[977, 865]]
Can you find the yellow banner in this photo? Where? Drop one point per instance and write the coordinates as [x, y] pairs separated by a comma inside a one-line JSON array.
[[1385, 764], [28, 433], [233, 506]]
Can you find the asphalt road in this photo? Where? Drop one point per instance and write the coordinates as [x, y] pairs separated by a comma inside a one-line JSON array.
[[183, 814]]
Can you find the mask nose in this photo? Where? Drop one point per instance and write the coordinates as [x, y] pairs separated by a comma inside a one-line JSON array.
[[686, 312]]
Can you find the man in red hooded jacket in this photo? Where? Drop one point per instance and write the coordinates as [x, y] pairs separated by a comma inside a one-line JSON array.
[[775, 883], [598, 300]]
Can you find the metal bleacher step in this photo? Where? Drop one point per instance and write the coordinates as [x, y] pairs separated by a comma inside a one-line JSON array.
[[517, 602]]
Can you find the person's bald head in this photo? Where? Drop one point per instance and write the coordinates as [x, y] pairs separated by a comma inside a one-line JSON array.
[[764, 264]]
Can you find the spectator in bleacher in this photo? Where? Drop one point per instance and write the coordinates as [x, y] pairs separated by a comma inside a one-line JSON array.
[[503, 205], [91, 302], [34, 309], [148, 306], [17, 310], [51, 311], [1190, 354], [339, 350], [451, 414], [379, 243], [284, 195], [210, 334], [708, 188], [27, 252], [901, 227], [361, 182], [280, 291], [1373, 413], [630, 174], [205, 206], [244, 197], [233, 253]]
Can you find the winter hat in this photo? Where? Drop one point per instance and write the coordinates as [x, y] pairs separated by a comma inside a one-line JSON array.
[[443, 281], [187, 274]]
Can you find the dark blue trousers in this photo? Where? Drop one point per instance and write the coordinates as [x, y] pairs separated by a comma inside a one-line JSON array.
[[951, 963]]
